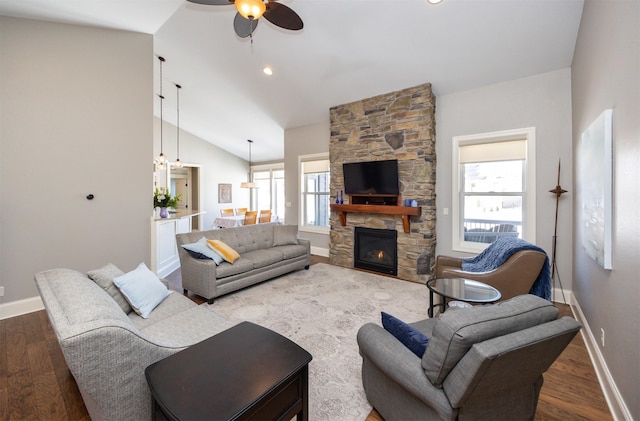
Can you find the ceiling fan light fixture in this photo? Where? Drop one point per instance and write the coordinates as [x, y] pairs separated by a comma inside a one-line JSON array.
[[250, 9]]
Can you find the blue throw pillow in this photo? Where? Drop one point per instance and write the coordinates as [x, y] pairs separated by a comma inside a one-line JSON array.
[[200, 250], [410, 337]]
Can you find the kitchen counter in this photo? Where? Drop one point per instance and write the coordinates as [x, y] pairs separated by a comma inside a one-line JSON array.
[[179, 214]]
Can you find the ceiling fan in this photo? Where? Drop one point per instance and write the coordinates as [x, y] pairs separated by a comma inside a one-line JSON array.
[[249, 11]]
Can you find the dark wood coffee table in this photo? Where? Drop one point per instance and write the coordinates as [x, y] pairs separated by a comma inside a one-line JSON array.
[[247, 372]]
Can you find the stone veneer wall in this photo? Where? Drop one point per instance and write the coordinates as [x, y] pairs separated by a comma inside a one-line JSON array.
[[398, 125]]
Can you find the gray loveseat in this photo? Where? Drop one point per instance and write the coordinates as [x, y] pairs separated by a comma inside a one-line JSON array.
[[107, 348], [481, 363], [266, 251]]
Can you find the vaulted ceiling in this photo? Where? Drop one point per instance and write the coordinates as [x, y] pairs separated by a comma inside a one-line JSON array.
[[348, 50]]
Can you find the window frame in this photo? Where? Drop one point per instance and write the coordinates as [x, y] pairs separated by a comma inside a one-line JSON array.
[[270, 168], [301, 193], [529, 189]]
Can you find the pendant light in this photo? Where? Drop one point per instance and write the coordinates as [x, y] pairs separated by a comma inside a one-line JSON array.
[[249, 184], [161, 161], [178, 164]]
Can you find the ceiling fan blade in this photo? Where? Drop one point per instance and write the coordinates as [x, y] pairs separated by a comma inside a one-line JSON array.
[[282, 16], [244, 27], [213, 2]]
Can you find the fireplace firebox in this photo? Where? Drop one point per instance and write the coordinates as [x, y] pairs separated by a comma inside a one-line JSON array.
[[376, 250]]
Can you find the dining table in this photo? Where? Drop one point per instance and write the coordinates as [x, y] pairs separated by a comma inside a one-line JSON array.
[[235, 221]]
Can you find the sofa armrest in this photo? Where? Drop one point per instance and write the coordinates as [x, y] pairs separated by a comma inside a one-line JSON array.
[[401, 365], [305, 242], [198, 275], [114, 352]]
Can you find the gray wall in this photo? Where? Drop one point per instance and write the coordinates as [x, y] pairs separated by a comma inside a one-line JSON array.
[[306, 140], [605, 74], [542, 101], [77, 106]]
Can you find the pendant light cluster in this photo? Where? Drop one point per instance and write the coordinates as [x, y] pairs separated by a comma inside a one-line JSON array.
[[161, 161]]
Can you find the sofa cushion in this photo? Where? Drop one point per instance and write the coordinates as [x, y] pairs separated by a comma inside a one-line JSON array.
[[289, 252], [246, 238], [284, 235], [142, 289], [187, 328], [455, 332], [227, 269], [224, 250], [262, 258], [201, 250], [173, 304], [409, 336], [104, 278]]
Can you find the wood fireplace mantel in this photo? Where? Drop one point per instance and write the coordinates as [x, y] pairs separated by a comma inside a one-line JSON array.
[[404, 211]]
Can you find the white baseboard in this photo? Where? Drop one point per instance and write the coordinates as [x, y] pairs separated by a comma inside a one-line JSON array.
[[617, 406], [20, 307], [560, 296], [318, 251]]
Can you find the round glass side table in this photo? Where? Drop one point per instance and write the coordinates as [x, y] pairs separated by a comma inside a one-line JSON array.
[[460, 289]]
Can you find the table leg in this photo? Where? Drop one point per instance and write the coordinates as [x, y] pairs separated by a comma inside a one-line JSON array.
[[431, 305], [303, 415]]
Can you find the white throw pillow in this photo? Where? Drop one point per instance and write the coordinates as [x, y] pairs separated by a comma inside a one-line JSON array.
[[142, 289]]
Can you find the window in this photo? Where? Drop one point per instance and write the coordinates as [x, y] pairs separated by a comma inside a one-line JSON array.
[[314, 203], [270, 192], [494, 188]]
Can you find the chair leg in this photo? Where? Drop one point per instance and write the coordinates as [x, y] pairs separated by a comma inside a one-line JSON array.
[[306, 267], [186, 292]]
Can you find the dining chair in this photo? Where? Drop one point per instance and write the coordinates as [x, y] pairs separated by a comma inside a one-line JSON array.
[[265, 216], [241, 211], [250, 217], [226, 212]]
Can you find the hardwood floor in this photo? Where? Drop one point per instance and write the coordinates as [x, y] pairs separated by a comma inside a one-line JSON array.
[[35, 383]]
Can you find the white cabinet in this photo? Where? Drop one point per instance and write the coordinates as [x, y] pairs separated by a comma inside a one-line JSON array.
[[164, 251]]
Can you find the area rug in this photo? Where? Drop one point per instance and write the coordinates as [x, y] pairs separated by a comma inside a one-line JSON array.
[[321, 309]]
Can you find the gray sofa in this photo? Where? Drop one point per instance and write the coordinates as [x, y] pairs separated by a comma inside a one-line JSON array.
[[266, 251], [108, 349], [481, 363]]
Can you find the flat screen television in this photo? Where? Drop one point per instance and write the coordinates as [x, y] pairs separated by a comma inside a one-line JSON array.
[[371, 177]]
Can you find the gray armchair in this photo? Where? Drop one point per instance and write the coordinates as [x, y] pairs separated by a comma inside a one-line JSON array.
[[484, 362]]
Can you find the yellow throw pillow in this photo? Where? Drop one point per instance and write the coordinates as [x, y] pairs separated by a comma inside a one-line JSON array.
[[227, 253]]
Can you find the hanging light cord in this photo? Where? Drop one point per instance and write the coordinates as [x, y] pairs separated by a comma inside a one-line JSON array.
[[178, 121], [161, 101]]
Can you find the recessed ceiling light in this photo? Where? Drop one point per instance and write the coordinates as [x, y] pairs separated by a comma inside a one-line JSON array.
[[268, 71], [434, 1]]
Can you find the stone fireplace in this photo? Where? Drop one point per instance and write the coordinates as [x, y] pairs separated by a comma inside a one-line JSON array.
[[398, 125]]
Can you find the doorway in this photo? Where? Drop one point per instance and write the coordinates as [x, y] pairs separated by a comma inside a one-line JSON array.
[[185, 181]]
